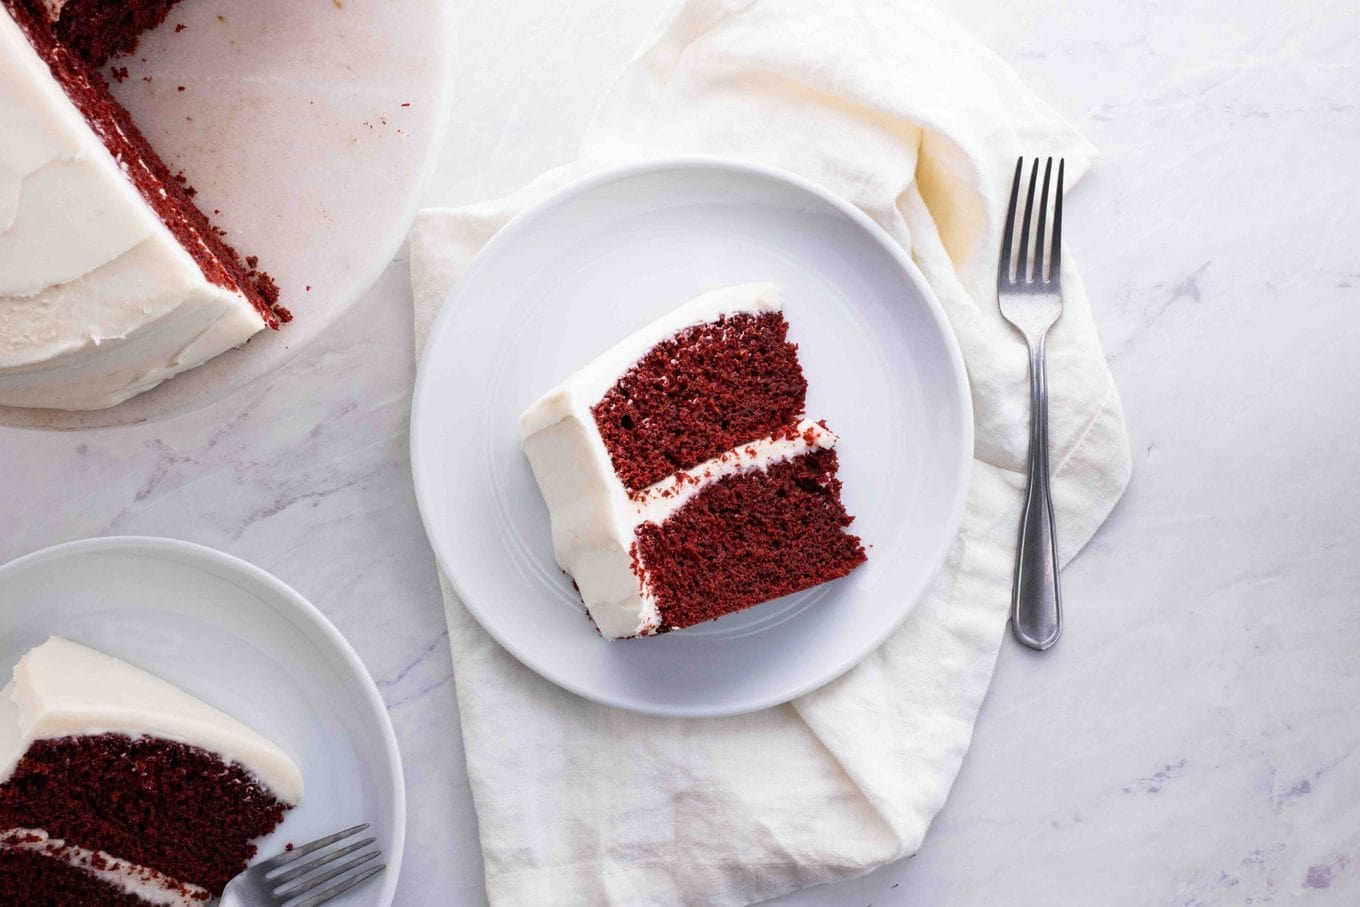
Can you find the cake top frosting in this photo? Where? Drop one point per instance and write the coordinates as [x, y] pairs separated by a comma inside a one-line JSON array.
[[63, 689]]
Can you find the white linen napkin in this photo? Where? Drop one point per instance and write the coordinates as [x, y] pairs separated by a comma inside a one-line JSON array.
[[891, 105]]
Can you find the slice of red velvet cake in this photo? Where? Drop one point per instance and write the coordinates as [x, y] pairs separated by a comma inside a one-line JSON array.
[[118, 788], [681, 477]]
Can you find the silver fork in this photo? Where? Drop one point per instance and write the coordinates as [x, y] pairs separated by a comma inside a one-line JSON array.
[[1032, 301], [282, 879]]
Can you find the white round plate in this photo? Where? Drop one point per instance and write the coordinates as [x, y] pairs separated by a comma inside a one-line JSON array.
[[313, 126], [580, 271], [242, 641]]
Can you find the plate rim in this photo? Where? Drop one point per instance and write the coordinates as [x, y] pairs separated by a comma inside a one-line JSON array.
[[454, 301], [302, 607]]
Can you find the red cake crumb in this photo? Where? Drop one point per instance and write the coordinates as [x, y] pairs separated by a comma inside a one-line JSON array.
[[179, 27], [706, 390], [747, 539], [119, 73], [100, 29], [173, 808]]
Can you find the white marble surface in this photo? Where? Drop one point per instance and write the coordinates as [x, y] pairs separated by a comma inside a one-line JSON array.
[[1195, 739]]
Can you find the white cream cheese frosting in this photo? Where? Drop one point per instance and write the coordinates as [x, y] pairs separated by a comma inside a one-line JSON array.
[[139, 881], [63, 689], [98, 299], [594, 517]]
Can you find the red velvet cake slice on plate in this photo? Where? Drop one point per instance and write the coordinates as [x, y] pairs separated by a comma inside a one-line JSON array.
[[681, 477], [117, 787]]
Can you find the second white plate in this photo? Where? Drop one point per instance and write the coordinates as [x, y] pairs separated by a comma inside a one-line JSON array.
[[605, 256], [242, 641]]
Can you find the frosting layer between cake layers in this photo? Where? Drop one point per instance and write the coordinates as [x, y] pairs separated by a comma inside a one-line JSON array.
[[149, 885], [593, 514], [98, 299], [62, 689]]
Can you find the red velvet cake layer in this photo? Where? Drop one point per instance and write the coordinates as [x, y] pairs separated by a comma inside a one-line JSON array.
[[177, 809], [38, 881], [749, 538], [167, 196], [708, 389], [99, 29]]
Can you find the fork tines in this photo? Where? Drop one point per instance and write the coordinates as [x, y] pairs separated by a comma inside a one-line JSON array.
[[1017, 271], [291, 876]]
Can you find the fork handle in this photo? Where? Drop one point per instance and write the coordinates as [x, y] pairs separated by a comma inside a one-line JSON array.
[[1036, 608]]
